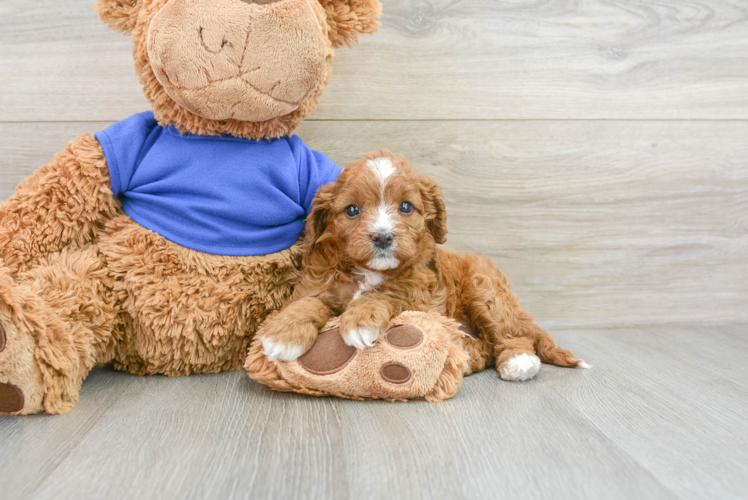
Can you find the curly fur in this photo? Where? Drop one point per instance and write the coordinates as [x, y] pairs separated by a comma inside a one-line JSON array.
[[468, 288]]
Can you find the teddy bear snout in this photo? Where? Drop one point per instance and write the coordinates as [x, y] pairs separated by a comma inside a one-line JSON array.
[[238, 59]]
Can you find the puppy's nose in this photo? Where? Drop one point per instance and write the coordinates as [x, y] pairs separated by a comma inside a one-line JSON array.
[[381, 240]]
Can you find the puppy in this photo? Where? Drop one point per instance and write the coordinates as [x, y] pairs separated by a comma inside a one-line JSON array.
[[370, 252]]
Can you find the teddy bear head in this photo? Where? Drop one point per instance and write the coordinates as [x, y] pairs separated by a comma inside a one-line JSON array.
[[247, 68]]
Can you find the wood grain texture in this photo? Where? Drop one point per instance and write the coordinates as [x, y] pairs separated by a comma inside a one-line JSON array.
[[661, 416], [595, 223], [432, 59]]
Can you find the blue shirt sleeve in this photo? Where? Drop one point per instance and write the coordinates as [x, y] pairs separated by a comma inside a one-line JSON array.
[[123, 143], [315, 170]]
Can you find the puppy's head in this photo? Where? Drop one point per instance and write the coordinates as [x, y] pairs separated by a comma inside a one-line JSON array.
[[380, 215]]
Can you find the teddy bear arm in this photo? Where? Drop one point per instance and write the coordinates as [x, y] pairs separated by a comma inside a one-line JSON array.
[[64, 203]]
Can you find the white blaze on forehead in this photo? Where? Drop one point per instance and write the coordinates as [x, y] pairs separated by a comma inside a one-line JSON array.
[[383, 222], [383, 168]]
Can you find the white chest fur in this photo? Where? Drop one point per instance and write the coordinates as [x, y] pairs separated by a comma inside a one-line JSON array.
[[369, 280]]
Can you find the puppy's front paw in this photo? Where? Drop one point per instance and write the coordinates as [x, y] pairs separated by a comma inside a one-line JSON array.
[[361, 337], [277, 351], [360, 327], [286, 339]]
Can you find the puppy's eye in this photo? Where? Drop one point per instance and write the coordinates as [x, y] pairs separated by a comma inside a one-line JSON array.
[[406, 208], [352, 211]]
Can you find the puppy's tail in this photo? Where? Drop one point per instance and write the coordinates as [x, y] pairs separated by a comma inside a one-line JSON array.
[[549, 353]]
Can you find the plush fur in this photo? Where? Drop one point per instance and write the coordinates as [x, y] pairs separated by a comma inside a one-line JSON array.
[[340, 21], [81, 284], [371, 254]]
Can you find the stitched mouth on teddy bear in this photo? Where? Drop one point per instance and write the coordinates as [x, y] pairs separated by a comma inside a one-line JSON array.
[[238, 60], [253, 105]]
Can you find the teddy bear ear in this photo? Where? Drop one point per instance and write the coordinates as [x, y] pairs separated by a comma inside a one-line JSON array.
[[120, 15], [348, 18]]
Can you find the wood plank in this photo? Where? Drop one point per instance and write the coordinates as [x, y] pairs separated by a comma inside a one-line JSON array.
[[595, 223], [495, 439], [204, 437], [640, 424], [60, 62], [433, 59], [32, 447], [238, 443], [661, 394]]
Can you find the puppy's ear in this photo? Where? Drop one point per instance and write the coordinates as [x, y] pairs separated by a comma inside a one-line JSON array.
[[435, 211], [347, 18], [120, 15], [316, 221]]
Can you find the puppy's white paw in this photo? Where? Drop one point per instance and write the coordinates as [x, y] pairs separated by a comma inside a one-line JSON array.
[[520, 367], [361, 337], [276, 351]]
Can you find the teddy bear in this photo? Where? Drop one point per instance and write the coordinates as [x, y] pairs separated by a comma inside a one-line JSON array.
[[159, 245]]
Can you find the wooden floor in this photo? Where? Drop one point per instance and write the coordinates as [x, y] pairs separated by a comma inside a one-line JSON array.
[[663, 414]]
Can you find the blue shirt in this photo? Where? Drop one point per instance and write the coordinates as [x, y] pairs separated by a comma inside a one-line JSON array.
[[219, 195]]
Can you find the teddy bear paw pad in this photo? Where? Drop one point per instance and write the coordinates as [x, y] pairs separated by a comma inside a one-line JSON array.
[[328, 355], [395, 373], [11, 398], [404, 337]]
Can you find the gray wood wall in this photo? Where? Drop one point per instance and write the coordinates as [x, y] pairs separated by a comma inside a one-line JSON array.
[[596, 149]]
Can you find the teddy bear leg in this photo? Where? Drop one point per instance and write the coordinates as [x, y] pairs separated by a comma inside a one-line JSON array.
[[420, 355], [56, 323]]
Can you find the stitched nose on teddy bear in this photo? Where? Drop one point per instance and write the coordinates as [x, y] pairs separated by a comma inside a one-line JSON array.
[[238, 59]]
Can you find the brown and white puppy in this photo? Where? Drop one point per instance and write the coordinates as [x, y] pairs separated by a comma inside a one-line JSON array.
[[370, 253]]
